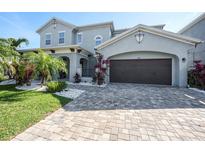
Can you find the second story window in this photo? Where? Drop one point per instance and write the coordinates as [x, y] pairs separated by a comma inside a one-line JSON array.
[[98, 40], [61, 37], [48, 39], [79, 38]]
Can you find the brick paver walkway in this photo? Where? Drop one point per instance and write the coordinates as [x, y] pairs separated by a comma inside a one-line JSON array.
[[125, 112]]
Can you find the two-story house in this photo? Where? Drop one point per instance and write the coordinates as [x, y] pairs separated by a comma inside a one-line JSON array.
[[141, 54], [75, 44]]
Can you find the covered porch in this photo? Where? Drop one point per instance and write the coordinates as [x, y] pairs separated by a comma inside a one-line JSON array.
[[77, 59]]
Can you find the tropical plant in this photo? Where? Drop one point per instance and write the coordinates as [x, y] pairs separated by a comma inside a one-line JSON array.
[[100, 69], [9, 55], [14, 43], [196, 76], [8, 48], [2, 77], [25, 72], [46, 66], [56, 86]]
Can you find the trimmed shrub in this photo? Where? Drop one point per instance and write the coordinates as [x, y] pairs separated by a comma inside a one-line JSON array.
[[56, 86]]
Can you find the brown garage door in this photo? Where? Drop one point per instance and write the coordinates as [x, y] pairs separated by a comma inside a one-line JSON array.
[[145, 71]]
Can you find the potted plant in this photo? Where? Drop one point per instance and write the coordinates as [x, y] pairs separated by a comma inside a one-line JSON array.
[[77, 78]]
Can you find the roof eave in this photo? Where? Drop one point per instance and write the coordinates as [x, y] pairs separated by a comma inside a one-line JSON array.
[[56, 47], [61, 21], [184, 39], [178, 36], [192, 23], [97, 24]]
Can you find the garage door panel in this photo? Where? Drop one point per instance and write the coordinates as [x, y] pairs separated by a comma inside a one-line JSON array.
[[146, 71]]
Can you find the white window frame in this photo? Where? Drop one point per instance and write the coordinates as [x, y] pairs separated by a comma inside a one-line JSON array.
[[59, 37], [50, 39], [81, 38], [96, 38]]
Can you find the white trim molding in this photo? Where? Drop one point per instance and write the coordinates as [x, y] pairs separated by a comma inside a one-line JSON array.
[[98, 38], [50, 39], [59, 37], [148, 29]]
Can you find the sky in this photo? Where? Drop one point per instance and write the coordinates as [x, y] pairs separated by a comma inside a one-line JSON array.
[[18, 25]]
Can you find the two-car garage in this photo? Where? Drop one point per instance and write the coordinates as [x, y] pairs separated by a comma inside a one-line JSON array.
[[160, 57], [143, 71]]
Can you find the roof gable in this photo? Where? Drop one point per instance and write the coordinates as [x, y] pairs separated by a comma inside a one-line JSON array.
[[57, 21], [192, 23], [90, 26], [155, 31], [158, 26]]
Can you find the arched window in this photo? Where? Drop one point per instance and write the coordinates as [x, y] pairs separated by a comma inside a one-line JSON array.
[[98, 40]]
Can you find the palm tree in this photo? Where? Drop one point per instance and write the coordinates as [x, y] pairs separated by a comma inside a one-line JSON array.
[[14, 43], [46, 66], [9, 55]]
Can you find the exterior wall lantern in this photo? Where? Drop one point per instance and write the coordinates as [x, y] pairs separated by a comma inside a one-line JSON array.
[[183, 60], [139, 36]]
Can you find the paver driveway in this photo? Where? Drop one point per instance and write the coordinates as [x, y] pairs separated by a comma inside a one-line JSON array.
[[125, 112]]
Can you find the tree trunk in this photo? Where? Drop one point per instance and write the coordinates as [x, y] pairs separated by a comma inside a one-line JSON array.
[[43, 80]]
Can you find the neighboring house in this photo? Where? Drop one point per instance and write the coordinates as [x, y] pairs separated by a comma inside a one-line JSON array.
[[142, 54], [196, 29]]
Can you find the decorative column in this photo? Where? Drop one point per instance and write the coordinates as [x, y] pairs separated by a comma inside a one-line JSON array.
[[73, 65]]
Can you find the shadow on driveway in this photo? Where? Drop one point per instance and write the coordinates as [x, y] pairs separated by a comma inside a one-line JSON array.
[[135, 97]]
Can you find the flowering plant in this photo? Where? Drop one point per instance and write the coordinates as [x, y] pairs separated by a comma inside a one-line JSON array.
[[100, 69], [196, 76]]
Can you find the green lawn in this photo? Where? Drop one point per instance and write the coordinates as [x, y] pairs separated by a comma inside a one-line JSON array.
[[21, 109]]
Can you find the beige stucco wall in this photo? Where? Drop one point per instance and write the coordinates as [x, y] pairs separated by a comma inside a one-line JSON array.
[[152, 45], [55, 36], [88, 39], [88, 36], [198, 53]]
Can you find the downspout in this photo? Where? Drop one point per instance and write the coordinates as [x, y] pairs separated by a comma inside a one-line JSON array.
[[196, 44], [193, 53], [95, 51]]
